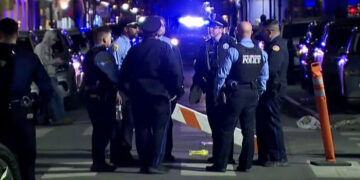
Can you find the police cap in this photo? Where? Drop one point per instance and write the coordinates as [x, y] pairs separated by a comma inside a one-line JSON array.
[[132, 25], [220, 22], [151, 24]]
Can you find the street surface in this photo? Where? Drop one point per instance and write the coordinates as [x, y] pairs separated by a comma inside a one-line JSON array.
[[64, 152]]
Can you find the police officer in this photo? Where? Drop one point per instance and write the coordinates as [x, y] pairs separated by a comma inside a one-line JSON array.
[[211, 54], [268, 124], [244, 73], [100, 78], [122, 137], [169, 143], [18, 130], [155, 77]]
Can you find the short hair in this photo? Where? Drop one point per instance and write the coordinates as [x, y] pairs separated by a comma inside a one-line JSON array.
[[8, 27], [272, 24], [99, 32]]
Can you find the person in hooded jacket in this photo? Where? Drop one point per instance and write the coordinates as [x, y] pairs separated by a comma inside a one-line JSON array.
[[45, 53]]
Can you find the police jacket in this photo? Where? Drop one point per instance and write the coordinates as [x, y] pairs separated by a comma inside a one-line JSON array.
[[151, 69], [278, 64], [100, 71], [28, 68], [211, 54]]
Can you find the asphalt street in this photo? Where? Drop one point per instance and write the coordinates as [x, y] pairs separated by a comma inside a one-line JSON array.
[[64, 152]]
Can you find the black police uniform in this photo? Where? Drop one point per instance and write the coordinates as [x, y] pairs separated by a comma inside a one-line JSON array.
[[206, 66], [241, 88], [18, 130], [100, 95], [268, 125], [154, 76]]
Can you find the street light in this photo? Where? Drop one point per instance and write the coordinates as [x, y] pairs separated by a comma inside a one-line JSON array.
[[134, 10], [125, 6]]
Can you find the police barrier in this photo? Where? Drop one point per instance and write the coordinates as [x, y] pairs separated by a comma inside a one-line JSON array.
[[319, 92], [199, 121]]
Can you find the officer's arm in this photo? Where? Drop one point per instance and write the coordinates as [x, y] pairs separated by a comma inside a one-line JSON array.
[[42, 80], [264, 74], [224, 69], [125, 71], [114, 50], [275, 61], [174, 73], [200, 66]]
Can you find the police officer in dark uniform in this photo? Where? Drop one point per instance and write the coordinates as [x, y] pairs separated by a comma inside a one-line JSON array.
[[244, 73], [100, 79], [268, 124], [211, 54], [17, 129], [155, 79]]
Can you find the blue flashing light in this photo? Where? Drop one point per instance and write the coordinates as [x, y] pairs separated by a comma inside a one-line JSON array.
[[353, 2], [192, 22], [310, 3], [84, 29]]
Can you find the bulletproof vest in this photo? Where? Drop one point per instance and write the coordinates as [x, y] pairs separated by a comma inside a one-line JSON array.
[[93, 76], [6, 74], [248, 66]]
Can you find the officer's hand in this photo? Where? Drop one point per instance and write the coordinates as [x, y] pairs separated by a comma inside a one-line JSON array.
[[118, 98]]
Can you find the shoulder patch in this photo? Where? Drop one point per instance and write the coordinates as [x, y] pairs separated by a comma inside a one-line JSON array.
[[226, 46], [276, 48], [115, 47]]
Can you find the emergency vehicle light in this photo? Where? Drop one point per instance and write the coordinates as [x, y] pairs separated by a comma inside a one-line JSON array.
[[193, 22]]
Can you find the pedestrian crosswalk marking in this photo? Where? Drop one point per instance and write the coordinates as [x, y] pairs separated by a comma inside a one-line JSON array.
[[327, 172], [67, 175], [41, 132], [350, 133], [354, 138], [199, 170], [88, 131]]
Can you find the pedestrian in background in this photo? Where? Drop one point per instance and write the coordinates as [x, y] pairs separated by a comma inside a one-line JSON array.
[[100, 79], [155, 79], [45, 53], [269, 130], [123, 133], [211, 54], [17, 129]]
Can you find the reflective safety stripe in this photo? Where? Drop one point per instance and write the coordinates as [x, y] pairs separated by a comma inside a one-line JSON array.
[[317, 81], [320, 93]]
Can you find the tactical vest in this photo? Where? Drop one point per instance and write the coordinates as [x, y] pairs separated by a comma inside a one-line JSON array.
[[248, 66], [93, 76]]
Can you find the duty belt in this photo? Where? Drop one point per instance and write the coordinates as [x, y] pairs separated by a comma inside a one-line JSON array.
[[25, 101]]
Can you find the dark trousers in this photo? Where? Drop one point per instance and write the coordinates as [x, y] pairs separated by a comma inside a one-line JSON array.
[[169, 139], [151, 119], [18, 134], [212, 112], [241, 103], [103, 117], [269, 130], [123, 134]]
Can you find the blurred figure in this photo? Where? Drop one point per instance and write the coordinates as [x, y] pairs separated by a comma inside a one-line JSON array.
[[242, 76], [100, 78], [155, 79], [123, 134], [269, 130], [17, 130], [169, 141], [45, 53]]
